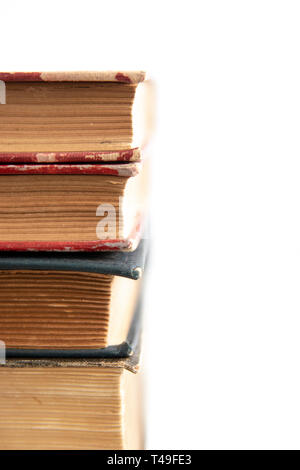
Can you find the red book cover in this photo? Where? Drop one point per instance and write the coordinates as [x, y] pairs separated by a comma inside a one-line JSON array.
[[16, 211], [133, 77], [57, 117], [128, 155]]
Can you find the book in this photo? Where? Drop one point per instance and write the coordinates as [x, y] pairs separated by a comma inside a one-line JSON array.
[[74, 116], [72, 206], [71, 404], [70, 305]]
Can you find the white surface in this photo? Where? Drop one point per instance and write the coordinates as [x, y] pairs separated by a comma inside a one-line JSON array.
[[226, 289]]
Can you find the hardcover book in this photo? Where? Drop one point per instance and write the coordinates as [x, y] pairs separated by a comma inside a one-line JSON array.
[[72, 207], [70, 305], [71, 404], [73, 116]]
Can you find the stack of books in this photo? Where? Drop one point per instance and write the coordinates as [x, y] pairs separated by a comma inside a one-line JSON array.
[[73, 192]]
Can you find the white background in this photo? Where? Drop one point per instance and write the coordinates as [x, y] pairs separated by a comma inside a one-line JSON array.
[[223, 303]]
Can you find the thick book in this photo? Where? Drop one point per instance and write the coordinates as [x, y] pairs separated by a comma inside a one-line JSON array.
[[74, 116], [71, 404], [71, 207], [70, 305]]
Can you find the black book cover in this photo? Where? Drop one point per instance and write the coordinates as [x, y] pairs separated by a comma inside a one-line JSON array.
[[127, 264]]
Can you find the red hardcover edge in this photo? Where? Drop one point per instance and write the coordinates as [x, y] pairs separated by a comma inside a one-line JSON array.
[[132, 77], [125, 244], [128, 155], [97, 245], [125, 169]]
